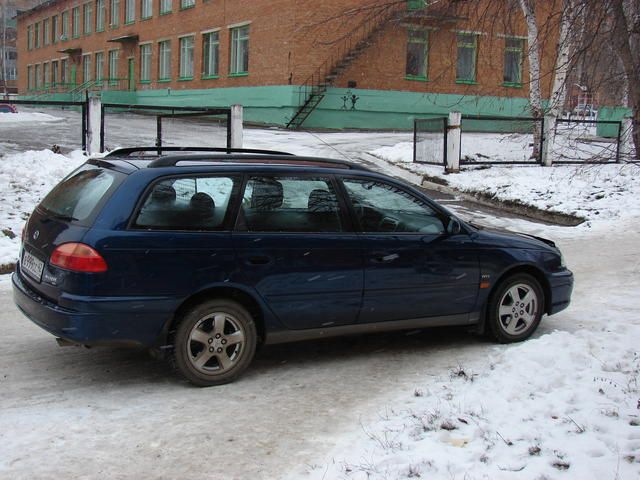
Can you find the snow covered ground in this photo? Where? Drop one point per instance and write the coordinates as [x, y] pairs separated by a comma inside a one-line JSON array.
[[438, 404], [27, 117]]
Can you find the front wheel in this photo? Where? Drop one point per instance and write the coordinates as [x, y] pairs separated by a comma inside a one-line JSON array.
[[215, 342], [515, 308]]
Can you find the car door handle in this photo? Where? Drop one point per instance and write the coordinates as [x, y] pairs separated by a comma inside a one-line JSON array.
[[258, 260], [384, 258]]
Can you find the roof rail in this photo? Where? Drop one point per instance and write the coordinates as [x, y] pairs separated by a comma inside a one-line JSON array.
[[126, 152], [286, 159]]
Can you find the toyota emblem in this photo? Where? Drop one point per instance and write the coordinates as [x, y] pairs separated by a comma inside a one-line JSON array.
[[36, 234]]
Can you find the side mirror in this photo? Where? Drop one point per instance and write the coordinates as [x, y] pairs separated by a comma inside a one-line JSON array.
[[454, 227]]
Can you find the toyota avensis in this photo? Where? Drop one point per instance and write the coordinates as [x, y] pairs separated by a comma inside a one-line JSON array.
[[208, 254]]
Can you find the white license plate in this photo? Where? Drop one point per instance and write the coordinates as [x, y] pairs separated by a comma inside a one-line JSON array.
[[32, 266]]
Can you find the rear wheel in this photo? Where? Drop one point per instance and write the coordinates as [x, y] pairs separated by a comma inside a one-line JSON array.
[[215, 342], [515, 308]]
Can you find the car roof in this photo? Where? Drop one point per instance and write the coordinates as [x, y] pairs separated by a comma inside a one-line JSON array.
[[138, 158]]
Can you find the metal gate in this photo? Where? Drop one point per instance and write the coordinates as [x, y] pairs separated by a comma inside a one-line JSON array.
[[586, 141], [430, 140]]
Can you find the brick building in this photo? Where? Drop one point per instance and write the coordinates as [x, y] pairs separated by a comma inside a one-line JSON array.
[[353, 63]]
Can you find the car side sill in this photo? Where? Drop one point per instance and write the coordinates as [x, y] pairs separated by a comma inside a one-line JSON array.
[[287, 336]]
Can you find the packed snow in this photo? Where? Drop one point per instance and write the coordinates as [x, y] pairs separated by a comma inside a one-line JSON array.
[[27, 117], [437, 404]]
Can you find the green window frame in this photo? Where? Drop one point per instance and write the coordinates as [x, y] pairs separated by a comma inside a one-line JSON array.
[[87, 12], [86, 68], [114, 57], [75, 22], [417, 67], [45, 74], [513, 59], [63, 70], [114, 13], [239, 51], [65, 25], [416, 4], [186, 57], [466, 62], [54, 73], [54, 29], [46, 32], [146, 9], [99, 71], [184, 4], [129, 11], [36, 35], [164, 60], [165, 6], [145, 63], [210, 54], [101, 13], [29, 37]]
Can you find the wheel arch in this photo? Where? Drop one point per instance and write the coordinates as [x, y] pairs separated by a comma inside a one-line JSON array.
[[244, 298], [529, 269]]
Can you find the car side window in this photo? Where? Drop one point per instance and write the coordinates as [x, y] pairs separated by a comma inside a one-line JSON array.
[[383, 207], [187, 203], [290, 204]]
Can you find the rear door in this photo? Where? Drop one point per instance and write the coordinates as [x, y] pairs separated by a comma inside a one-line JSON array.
[[413, 267], [296, 247]]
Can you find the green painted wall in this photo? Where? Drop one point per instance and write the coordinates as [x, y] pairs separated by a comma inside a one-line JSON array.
[[374, 109], [614, 114]]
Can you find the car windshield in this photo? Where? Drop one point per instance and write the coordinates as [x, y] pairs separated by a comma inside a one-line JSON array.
[[76, 198]]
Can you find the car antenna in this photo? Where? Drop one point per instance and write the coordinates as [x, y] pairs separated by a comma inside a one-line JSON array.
[[330, 146]]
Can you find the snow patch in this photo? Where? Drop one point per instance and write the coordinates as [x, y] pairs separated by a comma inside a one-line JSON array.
[[27, 117]]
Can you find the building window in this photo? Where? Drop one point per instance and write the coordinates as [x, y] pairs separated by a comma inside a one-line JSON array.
[[115, 13], [99, 66], [129, 11], [239, 50], [113, 66], [467, 54], [63, 70], [45, 74], [65, 25], [417, 54], [46, 32], [36, 34], [75, 22], [88, 18], [86, 68], [187, 3], [165, 6], [186, 58], [513, 48], [29, 77], [38, 80], [55, 32], [210, 54], [30, 37], [145, 63], [164, 60], [101, 12], [54, 73], [146, 9]]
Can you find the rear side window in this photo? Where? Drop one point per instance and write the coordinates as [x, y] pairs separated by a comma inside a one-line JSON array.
[[80, 195], [187, 203], [291, 204]]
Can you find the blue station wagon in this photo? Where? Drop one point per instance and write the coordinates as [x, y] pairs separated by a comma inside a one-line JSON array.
[[205, 255]]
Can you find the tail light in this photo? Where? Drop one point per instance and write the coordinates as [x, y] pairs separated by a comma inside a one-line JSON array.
[[78, 257]]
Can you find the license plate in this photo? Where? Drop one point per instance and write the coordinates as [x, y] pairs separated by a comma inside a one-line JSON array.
[[32, 266]]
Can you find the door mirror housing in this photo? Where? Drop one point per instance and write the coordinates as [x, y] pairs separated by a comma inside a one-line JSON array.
[[454, 227]]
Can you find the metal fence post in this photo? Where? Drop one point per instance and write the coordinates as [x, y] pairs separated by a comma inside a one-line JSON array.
[[452, 164], [84, 126], [101, 128], [236, 126], [415, 137], [159, 133]]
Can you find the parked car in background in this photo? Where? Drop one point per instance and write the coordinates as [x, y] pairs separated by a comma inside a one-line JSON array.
[[206, 255]]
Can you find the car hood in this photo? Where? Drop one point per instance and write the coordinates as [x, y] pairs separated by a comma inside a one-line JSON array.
[[502, 238]]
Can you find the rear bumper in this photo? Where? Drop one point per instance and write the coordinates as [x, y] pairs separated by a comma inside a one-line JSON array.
[[561, 285], [96, 321]]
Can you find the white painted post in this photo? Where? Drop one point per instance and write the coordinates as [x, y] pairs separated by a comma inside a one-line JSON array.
[[93, 125], [626, 139], [453, 143], [236, 126], [547, 138]]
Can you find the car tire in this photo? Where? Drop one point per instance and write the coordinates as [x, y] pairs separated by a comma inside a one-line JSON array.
[[515, 308], [215, 342]]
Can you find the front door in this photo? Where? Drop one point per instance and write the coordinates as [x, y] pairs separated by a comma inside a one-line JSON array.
[[74, 69], [132, 74], [295, 247], [412, 267]]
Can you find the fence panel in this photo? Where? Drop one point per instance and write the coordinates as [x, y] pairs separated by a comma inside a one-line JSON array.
[[430, 140], [586, 141], [500, 140]]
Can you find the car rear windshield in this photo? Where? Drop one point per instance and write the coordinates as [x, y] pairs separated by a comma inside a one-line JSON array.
[[80, 195]]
